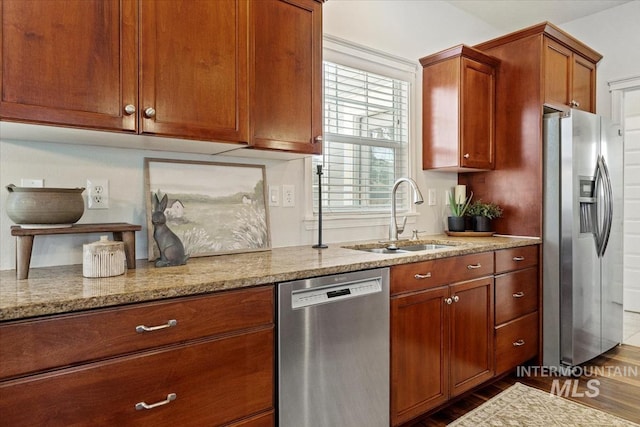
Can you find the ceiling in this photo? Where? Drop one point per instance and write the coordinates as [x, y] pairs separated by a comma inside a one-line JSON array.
[[510, 15]]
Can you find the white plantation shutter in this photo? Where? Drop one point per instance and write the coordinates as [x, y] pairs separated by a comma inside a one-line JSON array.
[[366, 140]]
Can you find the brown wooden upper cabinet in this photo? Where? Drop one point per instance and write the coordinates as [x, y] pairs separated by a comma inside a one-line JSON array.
[[69, 62], [458, 107], [242, 71], [286, 75], [569, 78]]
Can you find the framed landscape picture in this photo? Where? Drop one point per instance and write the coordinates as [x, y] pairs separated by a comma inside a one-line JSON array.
[[213, 208]]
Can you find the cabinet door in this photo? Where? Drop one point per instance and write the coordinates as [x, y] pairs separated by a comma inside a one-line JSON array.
[[193, 65], [557, 73], [471, 334], [583, 84], [214, 381], [69, 62], [477, 115], [419, 353], [286, 77]]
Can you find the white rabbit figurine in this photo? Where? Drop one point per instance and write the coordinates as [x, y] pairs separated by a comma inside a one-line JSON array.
[[171, 248]]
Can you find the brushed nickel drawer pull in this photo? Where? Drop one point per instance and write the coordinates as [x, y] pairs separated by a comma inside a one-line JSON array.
[[448, 301], [422, 276], [474, 266], [170, 397], [456, 298], [518, 258], [169, 324], [518, 343], [518, 294]]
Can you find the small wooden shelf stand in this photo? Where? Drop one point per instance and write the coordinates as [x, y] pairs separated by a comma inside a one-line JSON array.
[[122, 232]]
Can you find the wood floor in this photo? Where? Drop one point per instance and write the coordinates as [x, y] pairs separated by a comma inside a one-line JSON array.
[[619, 394]]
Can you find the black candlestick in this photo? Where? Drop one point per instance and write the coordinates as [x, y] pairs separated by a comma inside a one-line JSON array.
[[319, 245]]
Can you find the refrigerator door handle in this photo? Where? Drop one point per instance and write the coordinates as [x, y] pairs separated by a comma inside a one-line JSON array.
[[598, 228], [608, 204]]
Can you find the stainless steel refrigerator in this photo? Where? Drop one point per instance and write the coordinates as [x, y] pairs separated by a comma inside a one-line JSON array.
[[582, 237]]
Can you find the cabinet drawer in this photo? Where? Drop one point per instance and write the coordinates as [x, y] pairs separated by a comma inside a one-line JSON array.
[[516, 342], [516, 258], [427, 274], [214, 381], [516, 294], [69, 339]]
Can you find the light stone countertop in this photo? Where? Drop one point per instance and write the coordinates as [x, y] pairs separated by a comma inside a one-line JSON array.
[[55, 290]]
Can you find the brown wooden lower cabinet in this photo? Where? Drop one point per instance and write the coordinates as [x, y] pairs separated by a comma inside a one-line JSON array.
[[419, 353], [516, 342], [201, 361], [441, 344], [471, 334], [208, 383], [458, 322]]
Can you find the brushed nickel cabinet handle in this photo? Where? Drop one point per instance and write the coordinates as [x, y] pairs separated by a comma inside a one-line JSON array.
[[171, 323], [574, 103], [422, 276], [142, 405], [518, 343], [129, 109], [518, 258], [456, 298], [149, 112], [473, 266], [317, 139], [448, 301], [466, 156], [518, 294]]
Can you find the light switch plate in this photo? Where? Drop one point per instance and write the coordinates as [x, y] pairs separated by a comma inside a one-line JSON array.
[[274, 195], [432, 197]]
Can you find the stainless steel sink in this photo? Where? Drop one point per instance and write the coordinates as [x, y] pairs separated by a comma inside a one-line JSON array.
[[383, 250], [425, 247]]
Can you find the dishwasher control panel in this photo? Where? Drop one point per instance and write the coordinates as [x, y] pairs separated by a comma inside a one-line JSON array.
[[326, 294]]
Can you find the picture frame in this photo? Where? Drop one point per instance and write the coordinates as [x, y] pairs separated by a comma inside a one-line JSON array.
[[213, 208]]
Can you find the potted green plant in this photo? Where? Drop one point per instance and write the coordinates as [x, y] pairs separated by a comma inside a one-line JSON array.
[[458, 211], [483, 214]]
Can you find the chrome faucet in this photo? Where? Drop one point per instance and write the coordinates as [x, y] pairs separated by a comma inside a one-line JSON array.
[[394, 230]]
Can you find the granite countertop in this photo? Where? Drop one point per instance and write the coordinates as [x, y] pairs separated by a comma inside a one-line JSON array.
[[54, 290]]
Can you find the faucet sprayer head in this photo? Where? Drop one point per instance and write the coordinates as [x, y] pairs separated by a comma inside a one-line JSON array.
[[417, 196]]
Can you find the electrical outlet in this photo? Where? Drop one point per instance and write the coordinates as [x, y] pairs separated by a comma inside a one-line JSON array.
[[288, 196], [32, 183], [432, 197], [98, 193], [274, 195]]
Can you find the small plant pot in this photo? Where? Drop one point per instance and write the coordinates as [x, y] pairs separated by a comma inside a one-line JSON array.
[[481, 223], [456, 223]]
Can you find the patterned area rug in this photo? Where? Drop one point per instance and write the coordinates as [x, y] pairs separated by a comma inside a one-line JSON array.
[[520, 405]]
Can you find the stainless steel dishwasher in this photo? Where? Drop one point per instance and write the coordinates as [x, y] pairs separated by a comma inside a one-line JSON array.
[[333, 351]]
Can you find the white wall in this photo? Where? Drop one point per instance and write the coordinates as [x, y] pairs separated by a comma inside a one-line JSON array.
[[410, 29]]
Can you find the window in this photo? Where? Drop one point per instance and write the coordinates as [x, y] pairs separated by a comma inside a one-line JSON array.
[[366, 139]]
